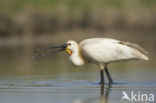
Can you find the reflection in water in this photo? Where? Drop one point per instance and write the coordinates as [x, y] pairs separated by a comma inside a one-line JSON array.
[[105, 93], [28, 90], [103, 98], [72, 88]]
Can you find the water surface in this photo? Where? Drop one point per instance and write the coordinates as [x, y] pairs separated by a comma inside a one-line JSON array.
[[74, 87]]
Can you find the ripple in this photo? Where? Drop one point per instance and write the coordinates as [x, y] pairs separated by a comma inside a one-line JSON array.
[[84, 90]]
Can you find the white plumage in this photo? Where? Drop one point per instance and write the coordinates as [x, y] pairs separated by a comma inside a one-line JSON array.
[[103, 51]]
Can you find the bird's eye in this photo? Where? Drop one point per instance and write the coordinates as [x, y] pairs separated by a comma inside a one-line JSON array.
[[69, 44]]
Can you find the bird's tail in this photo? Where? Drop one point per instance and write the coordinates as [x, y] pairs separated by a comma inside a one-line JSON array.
[[143, 57], [139, 52]]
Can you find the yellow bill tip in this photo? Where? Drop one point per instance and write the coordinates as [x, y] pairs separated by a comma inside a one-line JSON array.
[[68, 51]]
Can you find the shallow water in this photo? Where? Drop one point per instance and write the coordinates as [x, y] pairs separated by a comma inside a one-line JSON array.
[[74, 87]]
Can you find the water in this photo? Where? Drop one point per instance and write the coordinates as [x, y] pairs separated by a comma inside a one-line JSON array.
[[75, 87], [57, 81]]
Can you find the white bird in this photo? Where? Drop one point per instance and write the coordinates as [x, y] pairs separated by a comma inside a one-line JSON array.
[[102, 51]]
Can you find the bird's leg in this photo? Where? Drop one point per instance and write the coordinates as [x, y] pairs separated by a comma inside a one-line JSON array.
[[108, 75], [102, 77]]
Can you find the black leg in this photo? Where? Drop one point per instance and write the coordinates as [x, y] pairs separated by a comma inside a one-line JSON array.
[[108, 75], [102, 77]]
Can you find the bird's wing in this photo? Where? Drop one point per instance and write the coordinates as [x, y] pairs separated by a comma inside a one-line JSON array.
[[106, 50], [135, 46], [100, 50]]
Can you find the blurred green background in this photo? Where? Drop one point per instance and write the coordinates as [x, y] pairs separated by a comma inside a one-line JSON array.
[[29, 24]]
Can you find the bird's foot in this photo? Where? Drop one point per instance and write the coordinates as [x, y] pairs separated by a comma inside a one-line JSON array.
[[101, 83], [111, 82]]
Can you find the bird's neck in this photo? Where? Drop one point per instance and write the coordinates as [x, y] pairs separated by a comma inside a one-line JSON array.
[[77, 58]]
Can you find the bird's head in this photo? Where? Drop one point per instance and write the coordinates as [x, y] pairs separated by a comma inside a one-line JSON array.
[[71, 47]]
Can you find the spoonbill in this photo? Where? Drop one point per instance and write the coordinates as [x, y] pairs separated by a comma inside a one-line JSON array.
[[101, 51]]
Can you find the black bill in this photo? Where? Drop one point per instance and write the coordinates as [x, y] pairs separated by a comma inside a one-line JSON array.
[[42, 52]]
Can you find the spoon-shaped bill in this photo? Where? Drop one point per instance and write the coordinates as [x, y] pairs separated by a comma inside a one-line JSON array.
[[52, 47], [39, 53]]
